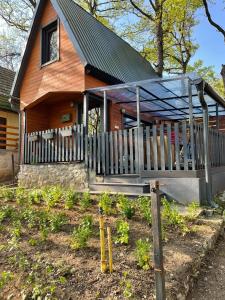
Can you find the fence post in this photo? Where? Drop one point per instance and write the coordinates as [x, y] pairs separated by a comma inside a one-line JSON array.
[[157, 241]]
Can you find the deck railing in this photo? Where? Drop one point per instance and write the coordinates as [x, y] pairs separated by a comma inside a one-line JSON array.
[[172, 146], [54, 145]]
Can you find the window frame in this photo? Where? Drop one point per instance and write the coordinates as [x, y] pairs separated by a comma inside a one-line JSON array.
[[44, 48]]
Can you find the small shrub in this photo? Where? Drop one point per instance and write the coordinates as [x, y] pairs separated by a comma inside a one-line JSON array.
[[106, 203], [82, 234], [5, 278], [126, 285], [52, 196], [122, 230], [16, 230], [6, 212], [7, 194], [142, 253], [57, 221], [125, 206], [172, 217], [85, 200], [70, 199], [21, 196], [192, 210], [31, 217], [35, 196], [144, 207]]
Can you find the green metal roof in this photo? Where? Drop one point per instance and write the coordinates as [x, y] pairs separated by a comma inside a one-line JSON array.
[[6, 82], [101, 51]]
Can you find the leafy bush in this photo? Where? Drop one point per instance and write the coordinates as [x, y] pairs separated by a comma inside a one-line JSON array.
[[172, 217], [125, 206], [5, 278], [192, 210], [70, 199], [52, 196], [142, 253], [35, 196], [106, 203], [85, 200], [144, 207], [125, 283], [21, 196], [122, 230], [6, 212], [57, 221], [7, 194], [82, 234]]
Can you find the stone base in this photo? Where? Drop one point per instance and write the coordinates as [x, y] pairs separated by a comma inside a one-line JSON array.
[[6, 168], [67, 175]]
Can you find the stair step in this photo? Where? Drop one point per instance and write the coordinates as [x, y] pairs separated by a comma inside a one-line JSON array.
[[132, 188], [129, 178]]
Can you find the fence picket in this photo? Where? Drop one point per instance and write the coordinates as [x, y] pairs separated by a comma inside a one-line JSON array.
[[131, 151]]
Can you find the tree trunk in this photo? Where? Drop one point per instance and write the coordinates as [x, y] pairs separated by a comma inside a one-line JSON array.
[[223, 74], [160, 48]]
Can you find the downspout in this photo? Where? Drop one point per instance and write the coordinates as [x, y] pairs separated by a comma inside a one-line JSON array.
[[200, 85]]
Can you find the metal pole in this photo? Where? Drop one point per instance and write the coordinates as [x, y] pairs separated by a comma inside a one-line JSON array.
[[191, 123], [157, 241], [85, 112], [105, 121], [138, 106], [217, 117]]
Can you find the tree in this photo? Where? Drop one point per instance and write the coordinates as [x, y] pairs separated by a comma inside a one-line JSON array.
[[209, 74], [210, 19]]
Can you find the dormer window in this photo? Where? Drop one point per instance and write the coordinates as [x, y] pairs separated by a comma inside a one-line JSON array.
[[50, 43]]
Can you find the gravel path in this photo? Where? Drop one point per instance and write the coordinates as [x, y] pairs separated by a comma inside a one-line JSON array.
[[211, 282]]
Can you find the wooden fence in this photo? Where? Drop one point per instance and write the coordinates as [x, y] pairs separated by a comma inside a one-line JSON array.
[[172, 146], [9, 137]]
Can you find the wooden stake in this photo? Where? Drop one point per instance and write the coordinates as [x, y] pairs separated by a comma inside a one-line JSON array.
[[110, 249], [157, 241], [102, 244]]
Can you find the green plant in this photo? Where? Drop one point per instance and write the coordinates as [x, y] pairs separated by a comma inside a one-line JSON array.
[[82, 233], [122, 230], [192, 209], [7, 194], [21, 196], [57, 221], [106, 203], [5, 278], [52, 196], [142, 253], [85, 200], [172, 217], [126, 285], [144, 207], [6, 212], [35, 196], [16, 230], [70, 199], [125, 206]]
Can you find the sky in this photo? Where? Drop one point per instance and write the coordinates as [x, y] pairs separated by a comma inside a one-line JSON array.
[[211, 42]]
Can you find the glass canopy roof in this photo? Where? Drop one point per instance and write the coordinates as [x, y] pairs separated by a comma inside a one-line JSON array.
[[162, 98]]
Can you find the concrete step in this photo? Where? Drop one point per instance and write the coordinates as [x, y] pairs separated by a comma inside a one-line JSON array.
[[130, 188], [128, 178]]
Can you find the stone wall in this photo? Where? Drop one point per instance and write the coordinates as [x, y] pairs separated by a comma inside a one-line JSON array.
[[68, 175], [6, 169]]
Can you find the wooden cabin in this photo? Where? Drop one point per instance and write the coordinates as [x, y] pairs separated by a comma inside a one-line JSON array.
[[88, 99]]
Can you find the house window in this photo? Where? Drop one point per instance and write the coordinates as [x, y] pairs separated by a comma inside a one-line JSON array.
[[50, 47]]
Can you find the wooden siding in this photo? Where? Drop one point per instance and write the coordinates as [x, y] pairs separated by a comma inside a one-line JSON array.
[[67, 74]]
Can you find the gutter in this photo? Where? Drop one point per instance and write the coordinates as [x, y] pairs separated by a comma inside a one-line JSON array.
[[201, 88]]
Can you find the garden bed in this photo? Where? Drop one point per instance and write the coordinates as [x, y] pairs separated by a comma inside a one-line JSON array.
[[49, 247]]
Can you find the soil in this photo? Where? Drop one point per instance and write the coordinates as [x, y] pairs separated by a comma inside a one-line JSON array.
[[81, 268], [211, 282]]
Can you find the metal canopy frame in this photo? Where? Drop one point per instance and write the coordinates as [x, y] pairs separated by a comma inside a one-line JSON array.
[[174, 98]]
